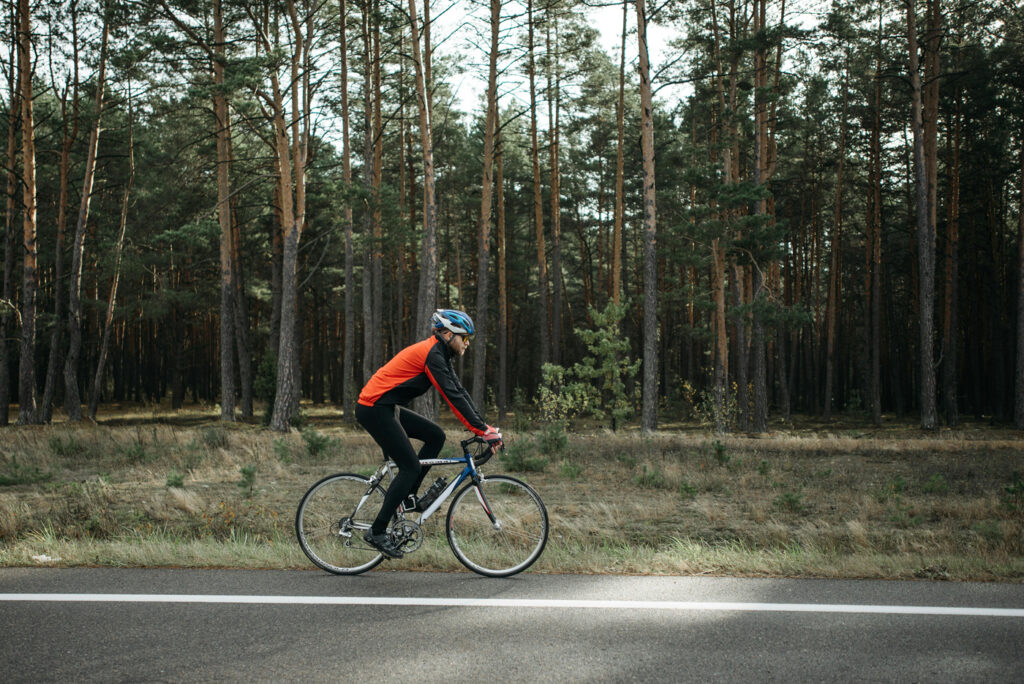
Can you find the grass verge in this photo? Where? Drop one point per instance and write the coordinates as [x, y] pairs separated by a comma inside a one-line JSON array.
[[793, 505]]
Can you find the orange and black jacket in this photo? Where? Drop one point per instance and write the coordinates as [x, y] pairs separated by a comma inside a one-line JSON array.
[[411, 373]]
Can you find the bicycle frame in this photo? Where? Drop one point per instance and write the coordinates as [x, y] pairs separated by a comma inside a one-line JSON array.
[[469, 471]]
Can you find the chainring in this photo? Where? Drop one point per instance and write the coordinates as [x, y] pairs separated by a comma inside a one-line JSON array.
[[406, 534]]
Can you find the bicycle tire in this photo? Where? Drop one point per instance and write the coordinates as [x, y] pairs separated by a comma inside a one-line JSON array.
[[497, 551], [326, 530]]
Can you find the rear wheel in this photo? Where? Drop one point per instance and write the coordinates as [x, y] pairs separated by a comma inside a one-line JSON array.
[[498, 527], [331, 520]]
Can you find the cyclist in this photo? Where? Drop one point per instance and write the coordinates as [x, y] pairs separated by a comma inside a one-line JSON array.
[[382, 412]]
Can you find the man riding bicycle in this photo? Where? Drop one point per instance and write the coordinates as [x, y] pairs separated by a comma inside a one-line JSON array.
[[382, 412]]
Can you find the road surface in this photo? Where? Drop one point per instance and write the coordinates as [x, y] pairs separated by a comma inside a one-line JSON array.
[[232, 625]]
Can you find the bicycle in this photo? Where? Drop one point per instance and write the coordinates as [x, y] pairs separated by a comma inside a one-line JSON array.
[[498, 532]]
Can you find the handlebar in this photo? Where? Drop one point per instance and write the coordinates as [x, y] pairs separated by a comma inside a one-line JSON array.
[[483, 454]]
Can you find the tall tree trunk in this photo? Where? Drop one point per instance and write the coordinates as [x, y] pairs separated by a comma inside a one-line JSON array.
[[544, 305], [737, 275], [27, 376], [925, 233], [721, 341], [949, 320], [1018, 411], [7, 303], [620, 116], [720, 371], [486, 196], [227, 270], [72, 398], [650, 360], [835, 280], [502, 276], [376, 349], [291, 155], [874, 269], [427, 298], [241, 313], [370, 102], [97, 383], [347, 381], [56, 358], [554, 103]]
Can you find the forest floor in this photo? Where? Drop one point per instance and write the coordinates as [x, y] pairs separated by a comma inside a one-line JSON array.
[[151, 487]]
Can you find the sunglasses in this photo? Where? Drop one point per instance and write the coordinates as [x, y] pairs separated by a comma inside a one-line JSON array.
[[466, 338]]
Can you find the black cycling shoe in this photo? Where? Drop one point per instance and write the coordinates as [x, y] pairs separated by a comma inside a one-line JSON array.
[[382, 543]]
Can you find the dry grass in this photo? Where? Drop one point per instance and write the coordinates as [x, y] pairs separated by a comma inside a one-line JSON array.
[[791, 504]]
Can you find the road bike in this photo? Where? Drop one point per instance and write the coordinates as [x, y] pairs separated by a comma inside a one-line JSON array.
[[496, 525]]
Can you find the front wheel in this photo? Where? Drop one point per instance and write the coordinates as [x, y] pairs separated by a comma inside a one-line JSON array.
[[498, 527], [331, 520]]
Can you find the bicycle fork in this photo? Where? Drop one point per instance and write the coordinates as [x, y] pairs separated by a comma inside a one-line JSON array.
[[495, 523]]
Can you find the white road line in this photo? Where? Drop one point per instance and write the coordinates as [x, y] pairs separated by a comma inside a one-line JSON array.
[[694, 606]]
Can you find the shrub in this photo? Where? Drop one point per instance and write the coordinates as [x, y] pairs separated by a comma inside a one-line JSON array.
[[175, 479], [283, 450], [687, 490], [936, 484], [215, 438], [136, 453], [18, 473], [596, 386], [1014, 493], [317, 444], [570, 470], [559, 398], [69, 448], [720, 454], [516, 458], [791, 501], [248, 482], [650, 479], [552, 439]]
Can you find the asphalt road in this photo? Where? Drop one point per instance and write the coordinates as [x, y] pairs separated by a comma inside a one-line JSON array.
[[229, 625]]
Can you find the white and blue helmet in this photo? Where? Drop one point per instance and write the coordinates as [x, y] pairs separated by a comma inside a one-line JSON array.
[[454, 320]]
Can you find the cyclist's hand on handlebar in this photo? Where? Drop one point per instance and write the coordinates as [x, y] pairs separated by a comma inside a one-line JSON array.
[[492, 437]]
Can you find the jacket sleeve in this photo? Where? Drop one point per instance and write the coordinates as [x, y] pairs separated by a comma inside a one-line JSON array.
[[443, 377]]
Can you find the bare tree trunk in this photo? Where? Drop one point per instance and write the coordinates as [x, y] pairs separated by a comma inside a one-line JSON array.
[[227, 270], [1018, 412], [72, 399], [428, 262], [241, 313], [554, 105], [27, 376], [925, 235], [874, 298], [347, 384], [56, 358], [376, 350], [721, 344], [486, 197], [370, 102], [950, 318], [737, 276], [7, 303], [620, 116], [291, 157], [97, 383], [835, 269], [502, 277], [544, 308], [650, 361]]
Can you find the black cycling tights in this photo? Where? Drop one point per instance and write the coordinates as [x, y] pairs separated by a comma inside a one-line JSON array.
[[392, 427]]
